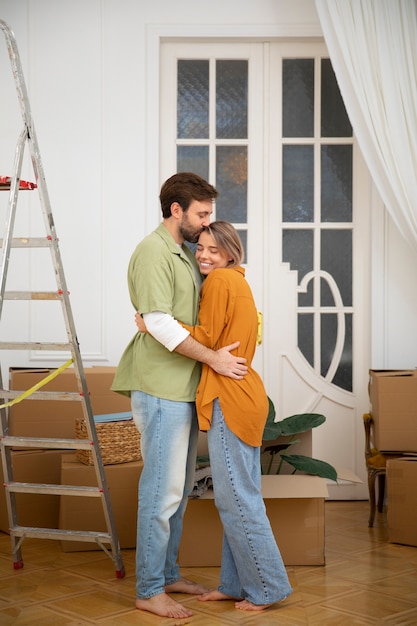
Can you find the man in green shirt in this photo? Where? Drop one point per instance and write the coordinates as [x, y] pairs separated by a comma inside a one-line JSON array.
[[160, 370]]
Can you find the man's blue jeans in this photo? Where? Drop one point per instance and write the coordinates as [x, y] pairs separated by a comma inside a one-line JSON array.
[[169, 432], [252, 567]]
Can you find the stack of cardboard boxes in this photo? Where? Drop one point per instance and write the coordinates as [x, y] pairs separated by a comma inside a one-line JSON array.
[[393, 397], [56, 419]]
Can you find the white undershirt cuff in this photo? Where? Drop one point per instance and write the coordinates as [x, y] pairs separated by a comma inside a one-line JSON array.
[[165, 329]]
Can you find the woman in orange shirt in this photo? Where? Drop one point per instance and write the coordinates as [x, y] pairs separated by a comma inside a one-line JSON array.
[[234, 412]]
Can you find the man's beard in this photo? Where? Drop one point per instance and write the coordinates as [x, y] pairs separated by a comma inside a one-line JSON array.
[[187, 232]]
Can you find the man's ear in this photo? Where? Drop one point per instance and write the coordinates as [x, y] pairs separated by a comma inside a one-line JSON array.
[[176, 210]]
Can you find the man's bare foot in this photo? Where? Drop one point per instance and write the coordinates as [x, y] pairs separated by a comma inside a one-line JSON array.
[[183, 585], [245, 605], [164, 606], [214, 596]]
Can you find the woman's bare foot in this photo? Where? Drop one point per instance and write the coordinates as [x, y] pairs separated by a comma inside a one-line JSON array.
[[183, 585], [164, 606], [245, 605], [215, 595]]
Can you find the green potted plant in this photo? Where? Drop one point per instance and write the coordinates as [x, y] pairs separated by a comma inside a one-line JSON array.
[[288, 429]]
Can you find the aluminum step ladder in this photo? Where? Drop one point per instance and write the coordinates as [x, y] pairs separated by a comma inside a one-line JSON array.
[[108, 541]]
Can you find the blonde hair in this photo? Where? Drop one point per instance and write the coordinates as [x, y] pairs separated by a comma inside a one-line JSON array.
[[227, 239]]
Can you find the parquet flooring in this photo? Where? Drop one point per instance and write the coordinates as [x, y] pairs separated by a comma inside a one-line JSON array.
[[366, 580]]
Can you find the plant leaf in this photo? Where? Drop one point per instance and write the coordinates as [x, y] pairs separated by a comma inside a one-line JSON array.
[[300, 423], [272, 428], [311, 466], [203, 461], [277, 448], [280, 447]]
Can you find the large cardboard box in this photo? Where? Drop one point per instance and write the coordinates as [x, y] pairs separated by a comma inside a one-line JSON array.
[[393, 398], [79, 513], [56, 418], [37, 510], [402, 500], [295, 507]]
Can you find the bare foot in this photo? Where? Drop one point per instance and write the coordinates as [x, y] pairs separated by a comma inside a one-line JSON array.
[[183, 585], [215, 595], [163, 605], [245, 605]]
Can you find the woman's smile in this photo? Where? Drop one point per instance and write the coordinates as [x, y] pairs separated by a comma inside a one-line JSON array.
[[208, 255]]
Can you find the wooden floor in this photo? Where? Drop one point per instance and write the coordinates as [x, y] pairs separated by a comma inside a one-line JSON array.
[[365, 581]]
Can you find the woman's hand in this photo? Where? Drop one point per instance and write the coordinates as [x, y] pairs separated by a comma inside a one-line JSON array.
[[140, 323]]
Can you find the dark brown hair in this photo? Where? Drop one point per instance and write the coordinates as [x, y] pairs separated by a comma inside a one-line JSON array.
[[184, 187]]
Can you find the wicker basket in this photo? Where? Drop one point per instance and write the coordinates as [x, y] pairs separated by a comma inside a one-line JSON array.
[[119, 442]]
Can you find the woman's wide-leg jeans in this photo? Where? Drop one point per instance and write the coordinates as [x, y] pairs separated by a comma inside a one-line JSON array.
[[252, 567]]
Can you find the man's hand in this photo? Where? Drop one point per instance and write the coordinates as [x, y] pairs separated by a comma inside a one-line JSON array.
[[140, 323], [229, 365], [221, 361]]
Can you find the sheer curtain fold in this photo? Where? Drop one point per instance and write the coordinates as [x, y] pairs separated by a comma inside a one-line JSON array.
[[373, 49]]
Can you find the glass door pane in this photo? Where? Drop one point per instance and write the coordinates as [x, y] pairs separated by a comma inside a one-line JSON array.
[[317, 190], [212, 131]]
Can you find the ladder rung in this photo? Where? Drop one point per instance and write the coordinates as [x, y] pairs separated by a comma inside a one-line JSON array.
[[32, 295], [57, 490], [64, 535], [43, 395], [33, 345], [28, 242], [43, 442]]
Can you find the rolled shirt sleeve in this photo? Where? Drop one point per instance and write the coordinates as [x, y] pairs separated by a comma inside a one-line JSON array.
[[165, 329]]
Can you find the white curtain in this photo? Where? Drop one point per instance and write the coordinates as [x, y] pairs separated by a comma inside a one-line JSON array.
[[373, 50]]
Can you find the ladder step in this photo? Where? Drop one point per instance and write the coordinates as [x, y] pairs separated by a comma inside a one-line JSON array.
[[28, 242], [46, 443], [57, 490], [69, 396], [32, 295], [33, 345], [64, 535]]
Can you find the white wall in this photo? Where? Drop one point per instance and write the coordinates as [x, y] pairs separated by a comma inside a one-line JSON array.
[[401, 302], [87, 67]]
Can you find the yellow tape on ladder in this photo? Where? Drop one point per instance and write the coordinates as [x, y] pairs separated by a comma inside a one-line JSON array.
[[38, 385]]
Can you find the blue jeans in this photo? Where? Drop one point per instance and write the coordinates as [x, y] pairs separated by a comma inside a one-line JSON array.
[[169, 432], [252, 567]]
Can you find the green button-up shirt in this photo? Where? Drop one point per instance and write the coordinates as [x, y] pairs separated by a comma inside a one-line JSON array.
[[162, 276]]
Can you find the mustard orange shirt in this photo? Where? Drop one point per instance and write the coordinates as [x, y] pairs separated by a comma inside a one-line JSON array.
[[227, 314]]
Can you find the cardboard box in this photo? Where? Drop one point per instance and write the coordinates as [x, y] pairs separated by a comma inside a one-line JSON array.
[[56, 418], [79, 513], [295, 507], [36, 510], [402, 500], [393, 397]]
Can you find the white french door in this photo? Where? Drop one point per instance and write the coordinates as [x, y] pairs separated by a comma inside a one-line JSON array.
[[264, 123]]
